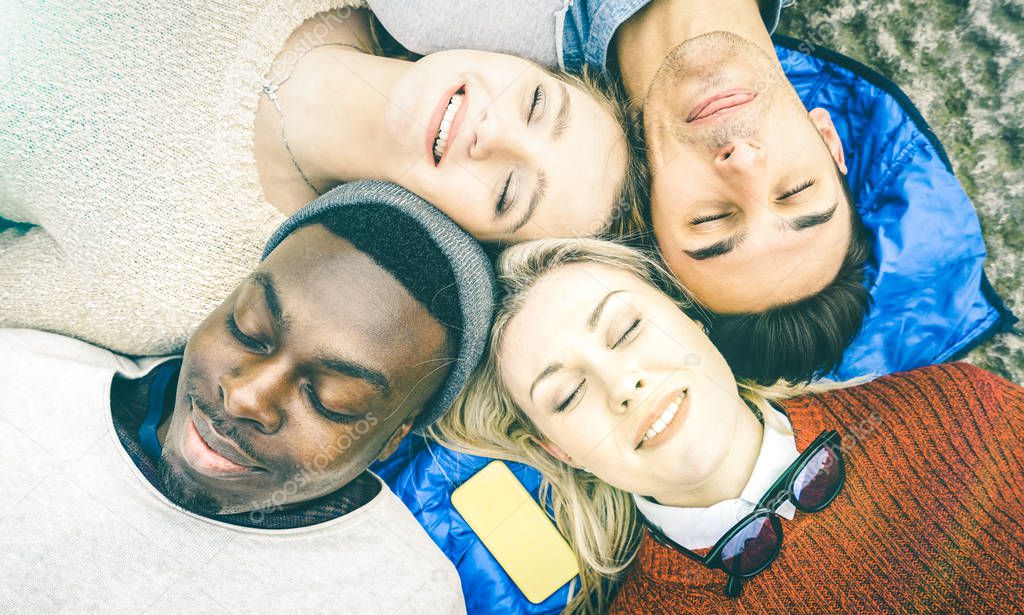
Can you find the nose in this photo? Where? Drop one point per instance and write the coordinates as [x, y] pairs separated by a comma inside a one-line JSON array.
[[740, 159], [494, 137], [253, 393], [630, 390]]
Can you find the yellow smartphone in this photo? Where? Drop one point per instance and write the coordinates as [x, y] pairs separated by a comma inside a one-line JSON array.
[[520, 536]]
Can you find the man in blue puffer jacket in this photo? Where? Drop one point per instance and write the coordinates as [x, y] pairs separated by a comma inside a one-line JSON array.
[[749, 202]]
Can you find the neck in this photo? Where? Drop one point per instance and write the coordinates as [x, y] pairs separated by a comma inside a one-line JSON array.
[[729, 479], [643, 41], [335, 114]]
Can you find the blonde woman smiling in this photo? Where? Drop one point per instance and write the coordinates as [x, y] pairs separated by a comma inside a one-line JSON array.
[[154, 147], [899, 494]]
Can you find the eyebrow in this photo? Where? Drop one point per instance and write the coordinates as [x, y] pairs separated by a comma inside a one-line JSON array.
[[562, 118], [592, 321], [354, 370], [728, 245], [595, 316], [347, 368], [271, 298], [717, 249], [812, 220], [550, 369]]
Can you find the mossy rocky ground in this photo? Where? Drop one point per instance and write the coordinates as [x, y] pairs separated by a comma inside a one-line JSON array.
[[962, 63]]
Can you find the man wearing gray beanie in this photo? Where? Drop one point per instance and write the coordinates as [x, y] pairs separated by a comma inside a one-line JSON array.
[[237, 473]]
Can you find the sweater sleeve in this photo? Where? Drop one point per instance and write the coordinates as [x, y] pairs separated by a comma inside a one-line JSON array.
[[525, 29], [1010, 397], [1004, 405], [998, 395], [42, 288]]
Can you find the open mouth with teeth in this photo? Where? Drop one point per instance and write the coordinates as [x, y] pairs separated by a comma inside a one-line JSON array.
[[665, 419], [448, 125]]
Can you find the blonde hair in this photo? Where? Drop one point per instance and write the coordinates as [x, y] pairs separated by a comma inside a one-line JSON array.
[[600, 522]]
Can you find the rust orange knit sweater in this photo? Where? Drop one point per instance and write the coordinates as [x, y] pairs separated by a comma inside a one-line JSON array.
[[930, 518]]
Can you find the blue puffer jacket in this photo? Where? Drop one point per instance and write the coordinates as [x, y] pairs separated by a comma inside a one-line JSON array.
[[931, 298]]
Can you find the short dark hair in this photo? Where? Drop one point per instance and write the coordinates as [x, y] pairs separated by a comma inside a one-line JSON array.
[[404, 249], [805, 339]]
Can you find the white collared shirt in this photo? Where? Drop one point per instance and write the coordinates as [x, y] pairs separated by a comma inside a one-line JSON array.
[[700, 528]]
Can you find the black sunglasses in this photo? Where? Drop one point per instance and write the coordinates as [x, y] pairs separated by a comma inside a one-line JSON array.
[[810, 483]]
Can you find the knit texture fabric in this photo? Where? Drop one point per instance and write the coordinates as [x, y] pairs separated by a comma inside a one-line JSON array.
[[126, 137], [930, 518]]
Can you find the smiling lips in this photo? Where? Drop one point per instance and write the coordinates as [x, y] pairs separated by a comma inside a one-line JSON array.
[[721, 102], [212, 455], [667, 414], [445, 123]]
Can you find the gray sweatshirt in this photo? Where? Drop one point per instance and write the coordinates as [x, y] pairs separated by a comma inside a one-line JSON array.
[[81, 530]]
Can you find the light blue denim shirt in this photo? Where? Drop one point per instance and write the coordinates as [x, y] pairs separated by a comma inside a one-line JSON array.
[[566, 34], [591, 24]]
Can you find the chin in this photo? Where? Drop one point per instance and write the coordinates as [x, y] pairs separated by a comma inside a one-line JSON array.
[[183, 490], [710, 51]]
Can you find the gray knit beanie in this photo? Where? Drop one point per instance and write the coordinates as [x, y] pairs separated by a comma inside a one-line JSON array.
[[438, 263]]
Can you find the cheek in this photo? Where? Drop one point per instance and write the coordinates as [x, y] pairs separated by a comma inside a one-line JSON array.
[[211, 342], [209, 353], [585, 441], [461, 197], [440, 63], [327, 451], [589, 439], [447, 198], [623, 469], [671, 349]]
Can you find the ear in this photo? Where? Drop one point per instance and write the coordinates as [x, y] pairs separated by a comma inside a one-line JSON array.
[[395, 439], [556, 451], [823, 122]]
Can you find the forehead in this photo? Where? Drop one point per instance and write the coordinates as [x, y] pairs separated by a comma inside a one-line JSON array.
[[340, 302], [557, 309]]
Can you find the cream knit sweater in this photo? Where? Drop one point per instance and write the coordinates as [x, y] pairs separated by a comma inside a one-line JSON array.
[[126, 134]]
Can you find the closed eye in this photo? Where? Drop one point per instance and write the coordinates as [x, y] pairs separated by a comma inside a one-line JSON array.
[[539, 98], [330, 415], [247, 341], [505, 198], [572, 397], [628, 335], [703, 219], [796, 190]]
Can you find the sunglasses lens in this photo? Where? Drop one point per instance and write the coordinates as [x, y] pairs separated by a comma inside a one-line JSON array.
[[819, 480], [752, 548]]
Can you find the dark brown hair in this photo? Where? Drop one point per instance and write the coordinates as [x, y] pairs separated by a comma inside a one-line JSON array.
[[805, 339]]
